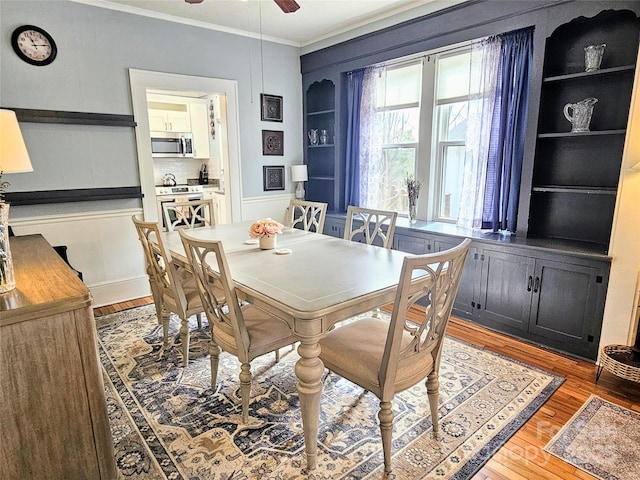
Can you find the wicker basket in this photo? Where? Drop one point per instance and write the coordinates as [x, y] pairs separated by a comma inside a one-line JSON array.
[[609, 362]]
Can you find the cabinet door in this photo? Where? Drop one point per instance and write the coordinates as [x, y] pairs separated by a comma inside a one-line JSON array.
[[564, 302], [222, 209], [417, 245], [465, 303], [179, 121], [505, 289], [334, 227], [157, 120], [200, 129]]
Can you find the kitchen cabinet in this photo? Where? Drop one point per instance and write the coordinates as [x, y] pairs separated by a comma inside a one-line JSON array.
[[219, 204], [175, 120], [199, 120]]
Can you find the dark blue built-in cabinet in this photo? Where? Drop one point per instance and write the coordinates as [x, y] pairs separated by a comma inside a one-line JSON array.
[[548, 283]]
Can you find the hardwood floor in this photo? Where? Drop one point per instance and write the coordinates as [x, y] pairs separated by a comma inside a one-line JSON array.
[[522, 457]]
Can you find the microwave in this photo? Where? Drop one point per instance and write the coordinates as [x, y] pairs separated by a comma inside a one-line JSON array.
[[171, 144]]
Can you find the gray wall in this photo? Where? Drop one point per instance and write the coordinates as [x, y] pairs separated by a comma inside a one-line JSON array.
[[96, 47]]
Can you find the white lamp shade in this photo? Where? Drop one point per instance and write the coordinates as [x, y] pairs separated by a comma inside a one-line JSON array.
[[299, 173], [13, 152]]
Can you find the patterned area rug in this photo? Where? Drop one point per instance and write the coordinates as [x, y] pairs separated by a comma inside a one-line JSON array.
[[603, 439], [168, 423]]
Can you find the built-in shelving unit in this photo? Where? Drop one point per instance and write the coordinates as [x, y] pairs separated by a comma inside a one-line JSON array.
[[321, 158], [575, 175]]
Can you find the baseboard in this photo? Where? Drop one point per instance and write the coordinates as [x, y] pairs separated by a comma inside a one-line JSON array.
[[108, 293]]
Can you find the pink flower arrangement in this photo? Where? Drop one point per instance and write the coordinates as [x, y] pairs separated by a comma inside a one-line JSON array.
[[263, 227]]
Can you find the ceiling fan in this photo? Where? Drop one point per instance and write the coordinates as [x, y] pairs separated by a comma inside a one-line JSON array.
[[287, 6]]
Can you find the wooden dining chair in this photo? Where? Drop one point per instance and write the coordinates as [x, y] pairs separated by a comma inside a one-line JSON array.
[[189, 214], [174, 289], [308, 216], [246, 330], [377, 228], [386, 357]]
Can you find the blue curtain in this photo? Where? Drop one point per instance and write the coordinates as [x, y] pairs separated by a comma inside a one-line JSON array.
[[506, 148], [352, 169]]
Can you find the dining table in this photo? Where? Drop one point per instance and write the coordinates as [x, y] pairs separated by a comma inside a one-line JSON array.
[[311, 281]]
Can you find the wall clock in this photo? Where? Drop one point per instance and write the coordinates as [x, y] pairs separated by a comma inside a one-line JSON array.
[[34, 45]]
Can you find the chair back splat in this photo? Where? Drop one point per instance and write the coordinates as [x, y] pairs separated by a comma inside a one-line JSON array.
[[190, 214], [386, 357], [308, 216], [377, 226]]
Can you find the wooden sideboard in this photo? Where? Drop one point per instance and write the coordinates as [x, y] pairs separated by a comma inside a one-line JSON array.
[[53, 413]]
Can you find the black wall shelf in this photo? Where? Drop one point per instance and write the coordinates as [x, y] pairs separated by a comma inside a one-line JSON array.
[[604, 71], [74, 195], [581, 134], [75, 118]]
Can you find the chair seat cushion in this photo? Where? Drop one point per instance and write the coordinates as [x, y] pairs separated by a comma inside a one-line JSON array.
[[354, 351], [266, 332]]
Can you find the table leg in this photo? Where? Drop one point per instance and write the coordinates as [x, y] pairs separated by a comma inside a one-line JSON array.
[[309, 370]]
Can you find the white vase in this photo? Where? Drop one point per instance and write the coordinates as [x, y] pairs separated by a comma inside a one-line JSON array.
[[268, 242], [7, 280]]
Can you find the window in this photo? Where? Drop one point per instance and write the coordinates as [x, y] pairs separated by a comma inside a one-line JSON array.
[[403, 95], [453, 90], [397, 111]]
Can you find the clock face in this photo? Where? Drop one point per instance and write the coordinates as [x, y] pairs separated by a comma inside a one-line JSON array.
[[33, 45]]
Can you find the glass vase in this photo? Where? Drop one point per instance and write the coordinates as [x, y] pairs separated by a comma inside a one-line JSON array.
[[413, 212], [268, 242], [7, 280]]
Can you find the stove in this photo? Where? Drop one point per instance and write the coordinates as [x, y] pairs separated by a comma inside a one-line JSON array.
[[178, 190]]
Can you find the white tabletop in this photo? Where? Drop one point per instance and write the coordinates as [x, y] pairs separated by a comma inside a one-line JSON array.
[[321, 275]]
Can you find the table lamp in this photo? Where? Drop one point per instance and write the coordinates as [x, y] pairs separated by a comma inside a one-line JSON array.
[[13, 159], [299, 174]]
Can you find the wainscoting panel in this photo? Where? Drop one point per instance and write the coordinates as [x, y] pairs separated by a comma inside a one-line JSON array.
[[274, 206], [102, 245]]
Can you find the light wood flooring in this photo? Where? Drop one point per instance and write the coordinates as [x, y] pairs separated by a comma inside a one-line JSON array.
[[522, 457]]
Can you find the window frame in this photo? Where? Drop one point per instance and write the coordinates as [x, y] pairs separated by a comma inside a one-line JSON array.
[[439, 132]]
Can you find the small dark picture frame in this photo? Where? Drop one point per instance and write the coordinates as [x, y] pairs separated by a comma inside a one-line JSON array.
[[272, 142], [270, 108], [273, 177]]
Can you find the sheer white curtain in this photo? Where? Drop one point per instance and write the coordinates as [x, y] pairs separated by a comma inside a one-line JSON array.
[[485, 58], [371, 137]]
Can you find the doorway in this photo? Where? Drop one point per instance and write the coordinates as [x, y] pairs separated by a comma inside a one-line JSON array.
[[143, 81]]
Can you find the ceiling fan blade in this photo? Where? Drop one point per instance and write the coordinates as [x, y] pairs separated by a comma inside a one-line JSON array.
[[193, 1], [287, 6]]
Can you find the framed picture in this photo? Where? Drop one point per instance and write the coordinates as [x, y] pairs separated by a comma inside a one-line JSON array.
[[272, 142], [273, 177], [270, 108]]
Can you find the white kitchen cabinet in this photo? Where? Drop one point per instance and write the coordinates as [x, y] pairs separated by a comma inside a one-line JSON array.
[[222, 208], [199, 113], [175, 120], [219, 204]]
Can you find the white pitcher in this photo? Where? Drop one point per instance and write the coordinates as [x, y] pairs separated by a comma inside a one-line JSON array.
[[581, 114]]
